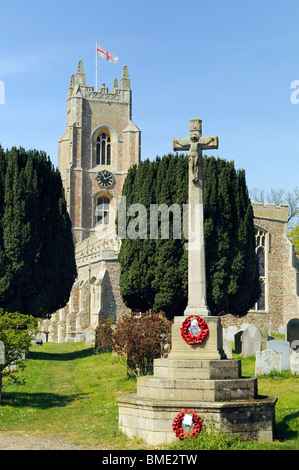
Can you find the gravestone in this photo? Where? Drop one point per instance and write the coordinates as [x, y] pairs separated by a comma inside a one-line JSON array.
[[238, 337], [42, 336], [266, 361], [238, 342], [228, 340], [244, 326], [252, 339], [227, 347], [293, 333], [282, 346], [229, 333]]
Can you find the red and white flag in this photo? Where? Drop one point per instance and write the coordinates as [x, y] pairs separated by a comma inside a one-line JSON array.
[[105, 55]]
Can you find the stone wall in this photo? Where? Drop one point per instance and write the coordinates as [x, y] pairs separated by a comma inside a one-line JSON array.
[[112, 302], [94, 295]]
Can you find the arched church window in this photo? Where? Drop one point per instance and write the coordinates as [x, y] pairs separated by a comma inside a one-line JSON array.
[[260, 238], [261, 260], [103, 149], [102, 211]]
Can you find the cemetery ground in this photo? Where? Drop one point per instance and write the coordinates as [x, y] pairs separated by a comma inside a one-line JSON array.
[[69, 402]]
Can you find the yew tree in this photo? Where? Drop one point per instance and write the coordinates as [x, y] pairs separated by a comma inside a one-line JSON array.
[[37, 262], [154, 271]]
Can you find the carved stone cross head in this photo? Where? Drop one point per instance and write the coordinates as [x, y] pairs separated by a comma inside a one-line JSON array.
[[195, 137]]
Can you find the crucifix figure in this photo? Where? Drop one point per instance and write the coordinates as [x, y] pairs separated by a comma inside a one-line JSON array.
[[195, 143]]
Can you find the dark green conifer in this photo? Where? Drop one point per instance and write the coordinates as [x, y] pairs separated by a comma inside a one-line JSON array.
[[154, 271], [38, 268]]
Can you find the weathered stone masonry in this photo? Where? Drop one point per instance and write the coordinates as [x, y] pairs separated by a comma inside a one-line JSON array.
[[79, 318], [100, 136], [281, 273]]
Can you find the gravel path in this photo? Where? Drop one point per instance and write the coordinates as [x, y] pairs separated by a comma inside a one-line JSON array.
[[19, 441]]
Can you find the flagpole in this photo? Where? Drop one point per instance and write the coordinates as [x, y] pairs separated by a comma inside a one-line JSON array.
[[96, 66]]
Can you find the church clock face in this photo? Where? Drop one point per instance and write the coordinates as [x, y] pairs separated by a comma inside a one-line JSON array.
[[105, 179]]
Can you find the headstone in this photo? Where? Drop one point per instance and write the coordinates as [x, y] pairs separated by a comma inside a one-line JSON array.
[[283, 330], [42, 336], [293, 333], [238, 337], [229, 333], [266, 361], [89, 335], [238, 342], [294, 362], [265, 339], [282, 346], [252, 340], [228, 340], [270, 329], [2, 354], [244, 326], [39, 338], [228, 347]]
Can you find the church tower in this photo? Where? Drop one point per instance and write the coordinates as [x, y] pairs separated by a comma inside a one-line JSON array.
[[95, 152], [98, 147]]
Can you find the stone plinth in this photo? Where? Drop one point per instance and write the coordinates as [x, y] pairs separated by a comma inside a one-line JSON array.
[[151, 420], [197, 369], [196, 389], [211, 348]]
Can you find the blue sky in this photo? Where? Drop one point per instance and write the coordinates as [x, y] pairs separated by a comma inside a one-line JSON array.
[[230, 63]]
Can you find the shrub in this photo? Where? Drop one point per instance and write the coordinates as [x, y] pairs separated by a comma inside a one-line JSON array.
[[16, 333], [141, 339], [103, 335]]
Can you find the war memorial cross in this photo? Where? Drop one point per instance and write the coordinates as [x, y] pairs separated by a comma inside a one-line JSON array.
[[195, 143]]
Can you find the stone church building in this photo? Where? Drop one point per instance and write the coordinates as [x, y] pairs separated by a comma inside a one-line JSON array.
[[98, 147]]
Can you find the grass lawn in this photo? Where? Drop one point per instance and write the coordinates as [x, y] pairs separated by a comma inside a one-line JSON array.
[[70, 391], [285, 387]]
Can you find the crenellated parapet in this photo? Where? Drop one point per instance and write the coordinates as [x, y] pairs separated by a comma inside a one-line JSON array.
[[270, 211], [119, 94]]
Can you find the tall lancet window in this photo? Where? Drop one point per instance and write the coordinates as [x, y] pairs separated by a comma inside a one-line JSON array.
[[261, 241], [103, 149]]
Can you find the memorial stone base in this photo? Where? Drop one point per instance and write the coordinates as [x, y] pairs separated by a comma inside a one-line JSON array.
[[198, 378]]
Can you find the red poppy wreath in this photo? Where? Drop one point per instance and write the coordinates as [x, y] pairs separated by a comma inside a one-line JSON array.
[[178, 424], [194, 329]]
